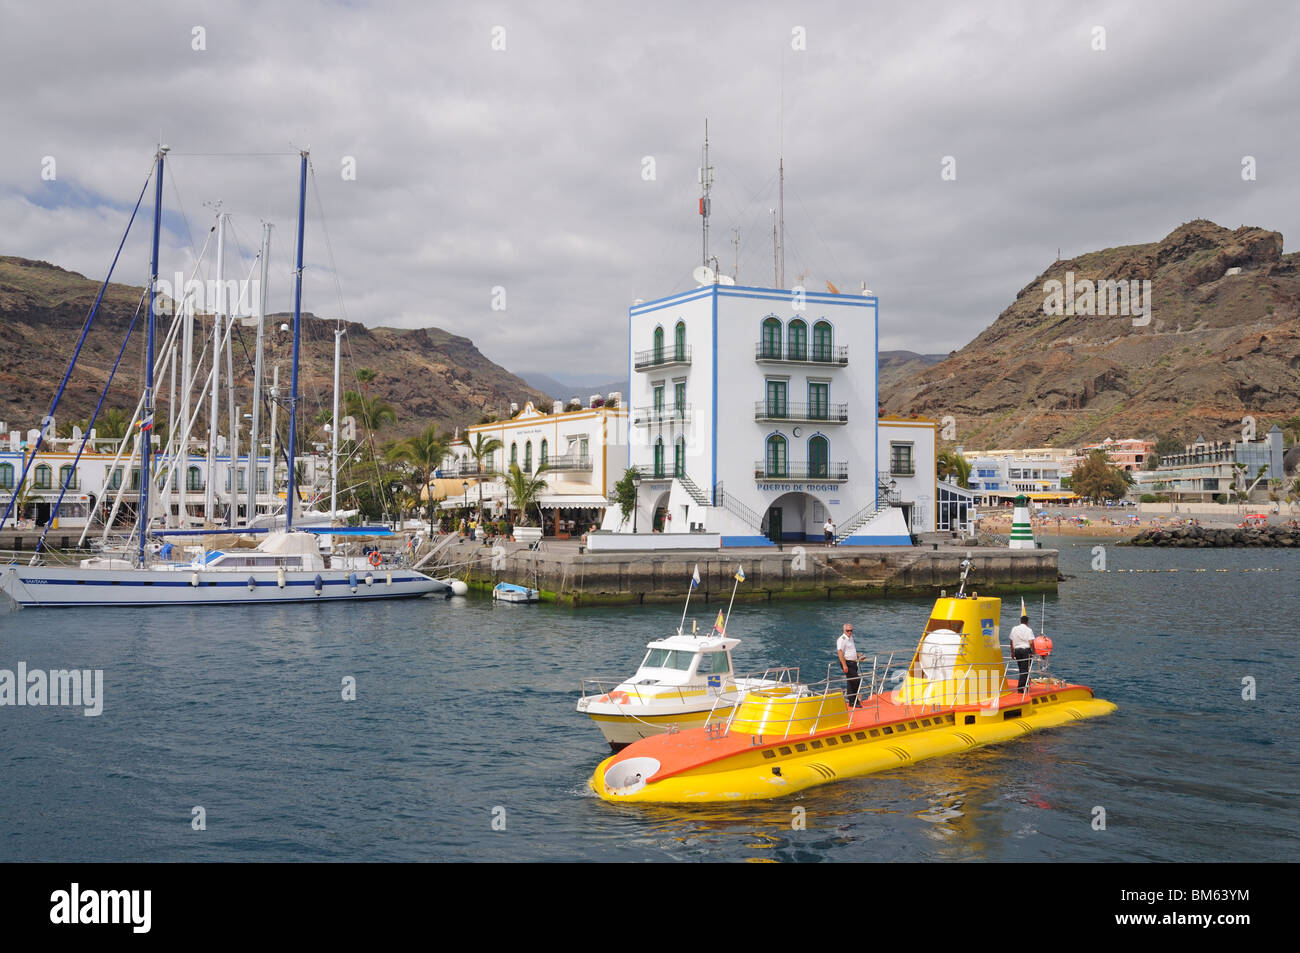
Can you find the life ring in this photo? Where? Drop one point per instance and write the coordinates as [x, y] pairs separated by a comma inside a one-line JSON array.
[[617, 698], [374, 558], [1043, 645]]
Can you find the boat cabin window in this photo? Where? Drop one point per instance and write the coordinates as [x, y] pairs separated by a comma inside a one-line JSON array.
[[716, 663], [669, 658], [935, 623]]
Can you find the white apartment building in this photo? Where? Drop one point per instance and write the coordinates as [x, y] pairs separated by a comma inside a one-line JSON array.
[[753, 417]]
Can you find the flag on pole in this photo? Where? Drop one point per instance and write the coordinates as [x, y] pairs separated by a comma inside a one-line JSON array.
[[719, 626], [740, 574], [146, 424], [1023, 611], [695, 576]]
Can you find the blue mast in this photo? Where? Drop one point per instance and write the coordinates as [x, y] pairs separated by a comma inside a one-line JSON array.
[[146, 416], [297, 336]]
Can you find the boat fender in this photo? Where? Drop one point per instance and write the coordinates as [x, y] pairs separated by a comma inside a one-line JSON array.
[[194, 579], [388, 580], [370, 579], [252, 583], [319, 583], [1043, 645], [352, 581], [279, 577], [375, 558]]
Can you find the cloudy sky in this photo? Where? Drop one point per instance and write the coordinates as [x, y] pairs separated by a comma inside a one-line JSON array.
[[550, 149]]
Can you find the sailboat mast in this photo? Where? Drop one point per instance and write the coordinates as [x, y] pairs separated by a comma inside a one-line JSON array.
[[334, 432], [254, 432], [297, 338], [210, 502], [146, 417]]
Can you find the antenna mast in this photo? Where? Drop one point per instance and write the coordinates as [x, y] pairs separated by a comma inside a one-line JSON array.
[[706, 182], [781, 205]]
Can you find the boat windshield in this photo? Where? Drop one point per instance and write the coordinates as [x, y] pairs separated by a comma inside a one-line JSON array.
[[717, 663], [669, 658]]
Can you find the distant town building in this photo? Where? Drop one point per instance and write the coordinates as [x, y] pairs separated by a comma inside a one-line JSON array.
[[579, 448], [1206, 470]]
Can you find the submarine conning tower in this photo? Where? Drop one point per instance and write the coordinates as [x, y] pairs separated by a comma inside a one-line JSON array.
[[958, 660]]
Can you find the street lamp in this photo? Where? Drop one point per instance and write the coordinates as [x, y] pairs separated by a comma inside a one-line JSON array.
[[636, 487]]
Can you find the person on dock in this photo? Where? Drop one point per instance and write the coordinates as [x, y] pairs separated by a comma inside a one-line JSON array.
[[1022, 643], [828, 532], [848, 654]]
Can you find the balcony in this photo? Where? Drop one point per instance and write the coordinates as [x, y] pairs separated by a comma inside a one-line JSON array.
[[569, 461], [655, 358], [808, 472], [837, 356], [467, 468], [766, 411], [659, 416]]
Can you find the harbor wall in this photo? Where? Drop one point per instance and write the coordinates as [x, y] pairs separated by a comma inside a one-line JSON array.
[[587, 579]]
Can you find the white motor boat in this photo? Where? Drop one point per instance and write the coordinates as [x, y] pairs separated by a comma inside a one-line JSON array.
[[684, 681]]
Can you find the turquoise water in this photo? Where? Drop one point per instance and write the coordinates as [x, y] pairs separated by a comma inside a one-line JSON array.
[[462, 742]]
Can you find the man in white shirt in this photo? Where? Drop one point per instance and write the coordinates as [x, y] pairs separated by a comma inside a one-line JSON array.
[[828, 532], [848, 654], [1022, 643]]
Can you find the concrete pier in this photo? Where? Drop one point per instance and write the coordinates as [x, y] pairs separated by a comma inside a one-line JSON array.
[[565, 574]]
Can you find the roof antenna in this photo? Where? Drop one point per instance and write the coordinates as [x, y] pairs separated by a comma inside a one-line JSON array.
[[706, 183]]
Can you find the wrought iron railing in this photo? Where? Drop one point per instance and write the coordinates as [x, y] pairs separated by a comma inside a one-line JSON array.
[[799, 470], [811, 413]]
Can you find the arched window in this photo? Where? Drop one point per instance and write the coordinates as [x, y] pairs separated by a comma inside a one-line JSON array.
[[823, 349], [818, 457], [797, 342], [659, 457], [528, 457], [679, 341], [659, 345], [68, 476], [771, 343], [193, 479], [679, 457], [541, 456], [776, 459], [42, 477], [6, 476], [514, 454]]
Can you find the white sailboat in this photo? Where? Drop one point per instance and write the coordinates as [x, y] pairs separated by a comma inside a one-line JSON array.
[[286, 566]]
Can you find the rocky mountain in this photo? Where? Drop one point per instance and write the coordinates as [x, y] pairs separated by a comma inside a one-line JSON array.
[[428, 375], [897, 366], [1207, 333]]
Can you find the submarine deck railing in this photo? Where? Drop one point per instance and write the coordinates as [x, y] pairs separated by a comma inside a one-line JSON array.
[[836, 684]]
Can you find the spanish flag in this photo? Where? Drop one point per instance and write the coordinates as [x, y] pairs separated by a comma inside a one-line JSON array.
[[720, 625]]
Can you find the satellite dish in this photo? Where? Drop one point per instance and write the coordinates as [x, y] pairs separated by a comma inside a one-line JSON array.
[[726, 280], [703, 275]]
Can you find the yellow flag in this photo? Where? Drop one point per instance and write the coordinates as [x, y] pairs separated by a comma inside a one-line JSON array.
[[720, 624]]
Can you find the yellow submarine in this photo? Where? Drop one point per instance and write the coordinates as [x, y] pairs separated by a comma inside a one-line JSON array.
[[956, 695]]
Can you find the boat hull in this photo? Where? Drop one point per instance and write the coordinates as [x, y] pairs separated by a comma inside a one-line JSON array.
[[702, 767], [623, 730], [59, 586]]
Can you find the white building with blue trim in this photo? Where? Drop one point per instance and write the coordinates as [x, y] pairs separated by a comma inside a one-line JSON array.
[[753, 417]]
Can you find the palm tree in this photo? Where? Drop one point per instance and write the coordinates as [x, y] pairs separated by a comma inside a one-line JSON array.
[[422, 452], [482, 449], [112, 424], [372, 412], [951, 463], [524, 490]]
